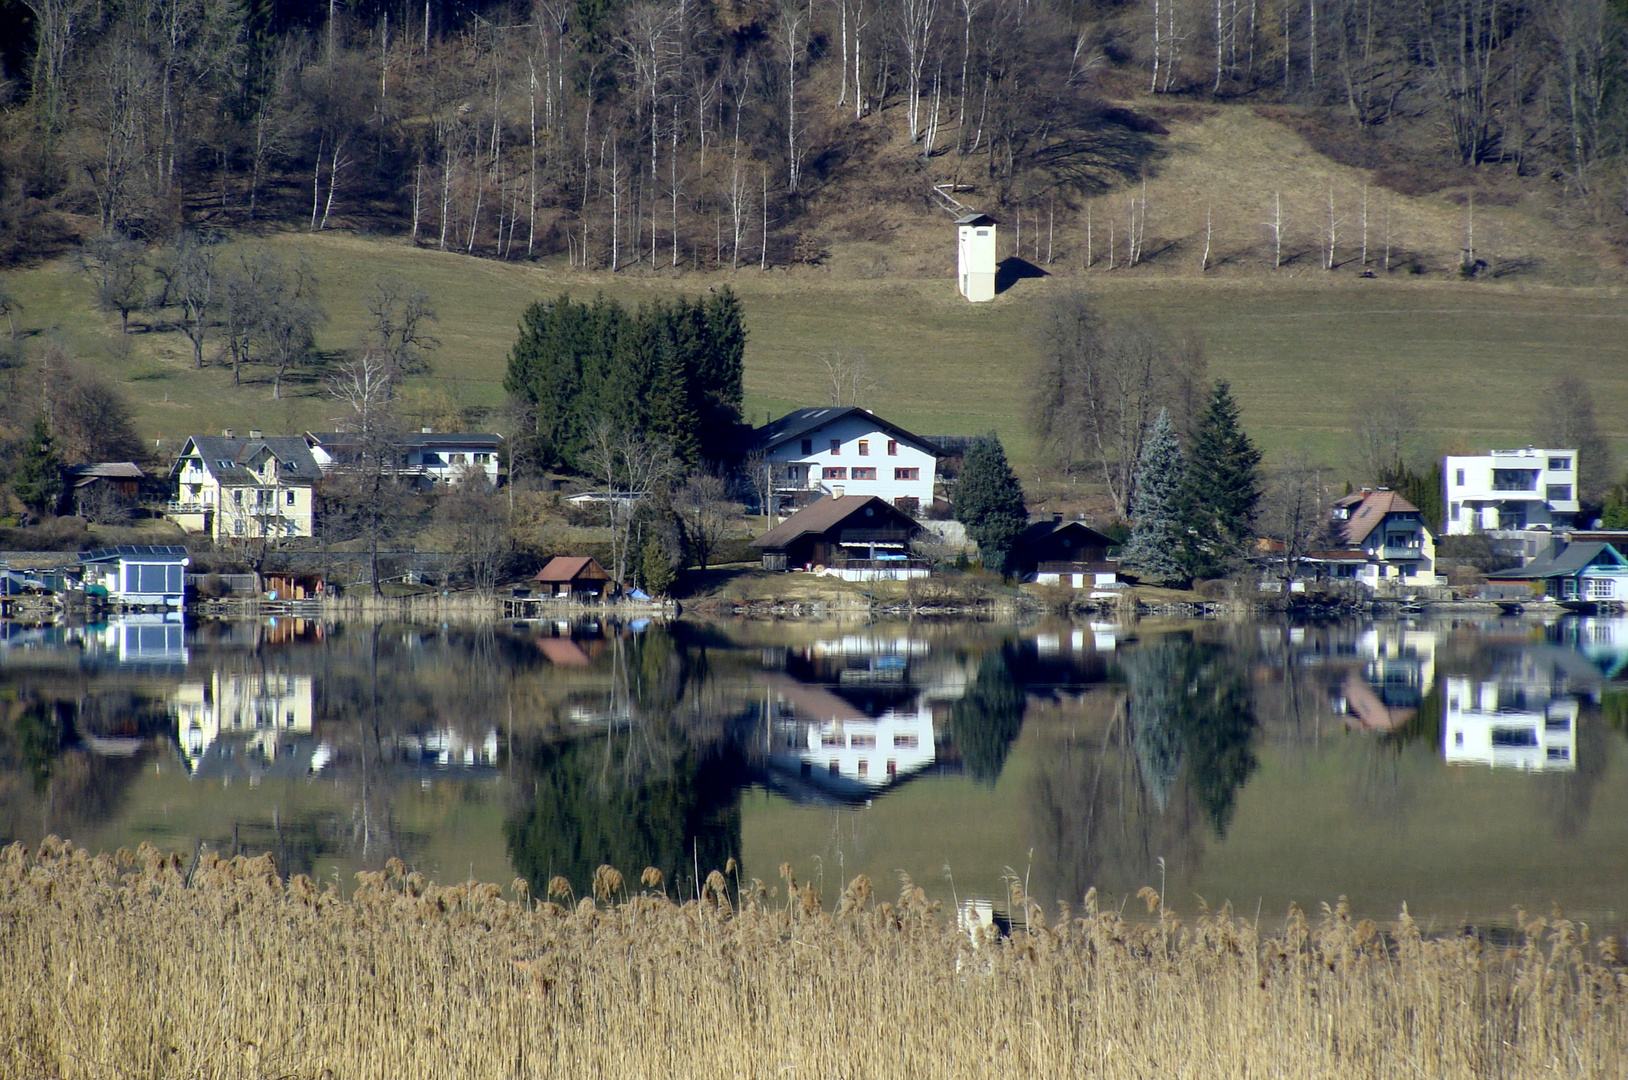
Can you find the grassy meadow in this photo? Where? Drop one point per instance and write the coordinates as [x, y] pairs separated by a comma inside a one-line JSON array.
[[1303, 349], [138, 964]]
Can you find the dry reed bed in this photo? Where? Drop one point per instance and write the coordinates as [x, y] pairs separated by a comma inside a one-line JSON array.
[[122, 966]]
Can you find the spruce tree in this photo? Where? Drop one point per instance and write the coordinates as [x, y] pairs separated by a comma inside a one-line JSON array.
[[1223, 489], [39, 476], [989, 501], [1155, 548]]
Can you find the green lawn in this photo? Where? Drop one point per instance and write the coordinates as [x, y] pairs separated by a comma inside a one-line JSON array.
[[1302, 352]]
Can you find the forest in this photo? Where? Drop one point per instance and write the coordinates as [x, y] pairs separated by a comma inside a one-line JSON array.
[[667, 133]]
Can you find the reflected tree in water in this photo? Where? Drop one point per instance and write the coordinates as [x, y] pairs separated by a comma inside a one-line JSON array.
[[583, 809], [1190, 702], [985, 722]]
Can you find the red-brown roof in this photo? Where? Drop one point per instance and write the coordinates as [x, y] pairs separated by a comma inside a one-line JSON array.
[[1368, 510], [563, 569], [826, 515]]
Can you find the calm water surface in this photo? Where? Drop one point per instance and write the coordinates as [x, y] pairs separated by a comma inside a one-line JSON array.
[[1461, 767]]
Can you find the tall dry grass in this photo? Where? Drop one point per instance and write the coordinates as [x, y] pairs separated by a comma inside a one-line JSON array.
[[121, 966]]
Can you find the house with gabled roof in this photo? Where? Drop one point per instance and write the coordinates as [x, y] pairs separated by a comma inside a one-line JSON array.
[[1058, 552], [845, 451], [1388, 533], [854, 537], [1581, 572], [573, 576], [240, 489]]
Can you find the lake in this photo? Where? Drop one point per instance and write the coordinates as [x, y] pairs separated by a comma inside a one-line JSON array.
[[1463, 767]]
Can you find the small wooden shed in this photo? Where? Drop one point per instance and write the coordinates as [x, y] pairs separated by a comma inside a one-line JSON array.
[[975, 256], [573, 576]]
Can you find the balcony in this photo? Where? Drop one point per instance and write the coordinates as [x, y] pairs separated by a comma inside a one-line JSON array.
[[177, 506], [1400, 552]]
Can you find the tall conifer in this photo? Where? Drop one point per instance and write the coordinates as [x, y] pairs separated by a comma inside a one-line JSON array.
[[1223, 489], [1154, 550], [989, 501], [39, 476]]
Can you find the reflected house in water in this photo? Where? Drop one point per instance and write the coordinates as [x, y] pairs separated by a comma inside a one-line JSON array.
[[154, 639], [1509, 723], [824, 749], [246, 723], [448, 748], [1604, 642], [1398, 670]]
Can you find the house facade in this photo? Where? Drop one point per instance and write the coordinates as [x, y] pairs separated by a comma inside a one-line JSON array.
[[845, 451], [1510, 491], [855, 537], [435, 457], [244, 489], [1385, 539], [137, 575], [1587, 572], [1058, 552]]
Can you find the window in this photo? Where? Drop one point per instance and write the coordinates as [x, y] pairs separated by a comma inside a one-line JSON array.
[[289, 498], [1455, 512], [836, 447], [460, 459], [237, 497], [1558, 493], [1514, 479], [1458, 478], [864, 474], [1601, 588], [836, 769], [1560, 464], [1558, 753], [893, 448], [831, 738], [862, 742], [864, 448], [907, 474], [905, 742], [864, 767], [829, 473], [482, 459], [808, 446], [983, 232]]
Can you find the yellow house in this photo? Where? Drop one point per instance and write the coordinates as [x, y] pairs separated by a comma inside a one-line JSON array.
[[242, 489]]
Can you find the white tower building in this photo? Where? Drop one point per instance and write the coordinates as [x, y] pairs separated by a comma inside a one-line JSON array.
[[975, 256]]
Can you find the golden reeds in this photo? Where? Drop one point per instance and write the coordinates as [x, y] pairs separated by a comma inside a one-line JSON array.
[[140, 965]]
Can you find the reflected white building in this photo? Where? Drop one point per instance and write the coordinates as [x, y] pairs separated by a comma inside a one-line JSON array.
[[263, 707], [832, 750], [1398, 671], [153, 638], [1509, 723], [447, 748]]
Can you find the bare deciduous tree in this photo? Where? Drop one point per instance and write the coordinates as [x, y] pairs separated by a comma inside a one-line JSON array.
[[400, 331], [705, 510], [191, 281], [1385, 432], [1294, 510], [850, 379], [117, 265], [1564, 420], [630, 469]]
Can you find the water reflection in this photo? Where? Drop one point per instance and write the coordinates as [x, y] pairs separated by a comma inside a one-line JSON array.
[[1247, 761]]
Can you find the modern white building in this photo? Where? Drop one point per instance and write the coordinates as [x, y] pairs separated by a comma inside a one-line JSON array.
[[437, 457], [1510, 491], [852, 451], [975, 236], [1509, 723], [137, 575]]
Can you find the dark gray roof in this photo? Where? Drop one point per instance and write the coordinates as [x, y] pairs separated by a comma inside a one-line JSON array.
[[153, 552], [976, 218], [110, 470], [1039, 530], [419, 439], [226, 459], [1570, 560], [800, 422]]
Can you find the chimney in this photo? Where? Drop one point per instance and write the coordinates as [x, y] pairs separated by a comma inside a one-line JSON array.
[[227, 433], [255, 433], [1057, 519], [837, 490], [426, 430]]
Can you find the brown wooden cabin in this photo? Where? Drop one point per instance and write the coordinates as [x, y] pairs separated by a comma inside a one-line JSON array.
[[288, 585], [1063, 548], [573, 576], [839, 531]]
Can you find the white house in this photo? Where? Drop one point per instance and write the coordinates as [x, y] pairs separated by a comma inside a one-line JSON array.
[[438, 457], [830, 451], [264, 706], [1509, 723], [975, 256], [1510, 490], [137, 575], [249, 488]]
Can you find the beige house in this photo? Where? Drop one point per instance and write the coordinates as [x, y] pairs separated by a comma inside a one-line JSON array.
[[244, 489]]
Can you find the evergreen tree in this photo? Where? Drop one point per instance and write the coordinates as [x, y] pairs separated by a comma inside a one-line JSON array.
[[1223, 488], [1155, 548], [984, 723], [1422, 490], [989, 501], [39, 476]]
